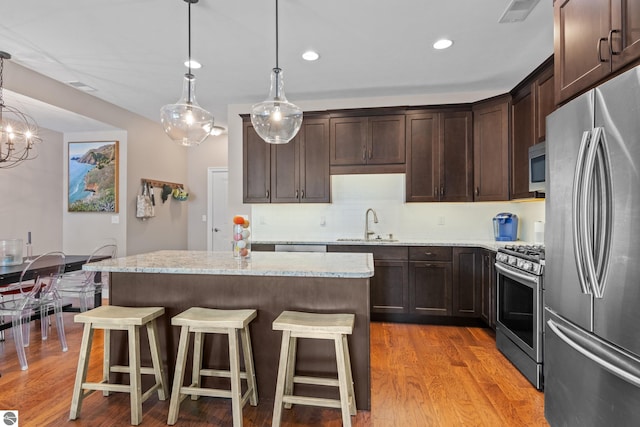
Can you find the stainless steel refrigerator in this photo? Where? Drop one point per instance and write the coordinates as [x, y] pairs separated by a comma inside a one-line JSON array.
[[592, 276]]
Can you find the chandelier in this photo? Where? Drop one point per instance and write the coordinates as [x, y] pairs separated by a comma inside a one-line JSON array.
[[185, 121], [18, 131], [275, 119]]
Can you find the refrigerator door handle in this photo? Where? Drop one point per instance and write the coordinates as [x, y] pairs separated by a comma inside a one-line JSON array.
[[578, 200], [595, 211], [604, 207], [609, 358]]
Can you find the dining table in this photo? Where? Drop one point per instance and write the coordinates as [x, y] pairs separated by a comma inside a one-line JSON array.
[[10, 274]]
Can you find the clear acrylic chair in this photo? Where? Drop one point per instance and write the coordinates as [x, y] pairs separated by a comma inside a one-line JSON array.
[[35, 294], [84, 284]]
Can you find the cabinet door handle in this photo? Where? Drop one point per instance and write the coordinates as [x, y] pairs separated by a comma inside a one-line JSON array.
[[442, 191], [610, 40], [436, 191], [296, 194], [267, 194], [429, 265], [599, 49], [302, 194], [364, 153], [477, 191], [428, 253], [370, 153]]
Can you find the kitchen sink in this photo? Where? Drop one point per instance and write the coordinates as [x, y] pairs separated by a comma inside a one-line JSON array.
[[366, 240]]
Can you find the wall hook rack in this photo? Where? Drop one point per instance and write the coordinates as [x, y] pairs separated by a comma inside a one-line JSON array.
[[160, 184]]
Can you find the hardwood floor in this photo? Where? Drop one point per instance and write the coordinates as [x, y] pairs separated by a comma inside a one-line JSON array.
[[421, 376]]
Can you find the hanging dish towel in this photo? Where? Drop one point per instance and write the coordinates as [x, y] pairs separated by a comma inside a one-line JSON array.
[[144, 206]]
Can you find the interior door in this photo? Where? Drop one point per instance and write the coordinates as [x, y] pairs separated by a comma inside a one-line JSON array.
[[220, 220]]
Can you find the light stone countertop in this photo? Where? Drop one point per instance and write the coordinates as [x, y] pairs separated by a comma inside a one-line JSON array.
[[486, 244], [301, 264]]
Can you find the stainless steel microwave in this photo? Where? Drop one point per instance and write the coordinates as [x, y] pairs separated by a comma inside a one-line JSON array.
[[537, 167]]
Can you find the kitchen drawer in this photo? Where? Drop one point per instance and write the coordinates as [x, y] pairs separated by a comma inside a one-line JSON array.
[[430, 253], [379, 252]]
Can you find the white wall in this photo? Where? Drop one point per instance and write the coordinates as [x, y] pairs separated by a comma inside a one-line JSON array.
[[211, 153], [82, 231], [354, 194], [31, 197], [149, 154]]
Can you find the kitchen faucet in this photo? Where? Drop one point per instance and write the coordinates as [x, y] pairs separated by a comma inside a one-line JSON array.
[[367, 233]]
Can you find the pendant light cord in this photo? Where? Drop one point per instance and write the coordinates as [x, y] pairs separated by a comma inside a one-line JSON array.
[[277, 35], [190, 76], [1, 83], [277, 69]]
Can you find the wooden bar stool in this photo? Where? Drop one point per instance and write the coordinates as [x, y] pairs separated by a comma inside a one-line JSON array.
[[334, 327], [211, 321], [128, 319]]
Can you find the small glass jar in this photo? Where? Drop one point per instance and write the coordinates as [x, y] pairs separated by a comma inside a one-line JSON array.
[[10, 252], [241, 237]]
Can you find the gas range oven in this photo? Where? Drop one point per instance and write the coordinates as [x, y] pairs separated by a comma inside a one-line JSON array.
[[520, 308]]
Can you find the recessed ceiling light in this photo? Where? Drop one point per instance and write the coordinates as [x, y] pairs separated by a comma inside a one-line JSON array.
[[194, 64], [310, 55], [442, 44]]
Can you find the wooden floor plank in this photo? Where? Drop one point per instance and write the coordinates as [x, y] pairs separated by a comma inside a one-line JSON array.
[[421, 375]]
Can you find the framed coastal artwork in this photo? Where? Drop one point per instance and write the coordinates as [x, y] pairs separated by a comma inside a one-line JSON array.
[[93, 176]]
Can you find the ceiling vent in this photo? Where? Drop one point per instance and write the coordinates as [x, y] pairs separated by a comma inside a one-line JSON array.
[[517, 11], [82, 86]]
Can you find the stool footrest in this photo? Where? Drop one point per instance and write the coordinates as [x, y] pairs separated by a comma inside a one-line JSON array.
[[312, 401], [126, 369], [316, 380], [208, 392], [220, 373], [120, 388]]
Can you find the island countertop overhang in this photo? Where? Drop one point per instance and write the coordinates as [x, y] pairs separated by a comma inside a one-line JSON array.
[[294, 264]]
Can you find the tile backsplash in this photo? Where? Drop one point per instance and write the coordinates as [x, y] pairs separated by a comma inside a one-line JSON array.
[[352, 195]]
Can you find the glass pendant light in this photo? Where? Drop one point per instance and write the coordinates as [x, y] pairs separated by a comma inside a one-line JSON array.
[[185, 121], [275, 119]]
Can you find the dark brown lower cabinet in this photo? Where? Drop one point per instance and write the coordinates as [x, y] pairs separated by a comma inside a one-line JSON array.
[[388, 287], [466, 282], [430, 284], [488, 288], [430, 288]]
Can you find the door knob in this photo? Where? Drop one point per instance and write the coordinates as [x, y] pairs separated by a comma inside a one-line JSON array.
[[216, 229]]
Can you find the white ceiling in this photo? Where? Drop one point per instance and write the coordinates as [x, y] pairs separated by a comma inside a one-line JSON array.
[[132, 51]]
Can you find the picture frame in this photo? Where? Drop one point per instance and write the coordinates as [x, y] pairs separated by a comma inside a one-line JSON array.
[[93, 168]]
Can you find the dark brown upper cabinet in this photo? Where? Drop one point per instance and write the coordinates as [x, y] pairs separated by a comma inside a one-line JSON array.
[[532, 101], [256, 164], [593, 39], [300, 169], [439, 156], [367, 144], [491, 149], [296, 172]]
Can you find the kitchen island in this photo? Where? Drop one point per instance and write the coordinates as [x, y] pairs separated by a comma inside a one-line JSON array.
[[268, 282]]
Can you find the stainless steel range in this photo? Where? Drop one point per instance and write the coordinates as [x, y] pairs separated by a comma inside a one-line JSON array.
[[520, 308]]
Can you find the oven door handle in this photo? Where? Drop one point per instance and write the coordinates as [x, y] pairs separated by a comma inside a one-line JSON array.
[[531, 281]]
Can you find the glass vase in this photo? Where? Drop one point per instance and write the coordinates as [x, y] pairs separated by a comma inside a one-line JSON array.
[[241, 237]]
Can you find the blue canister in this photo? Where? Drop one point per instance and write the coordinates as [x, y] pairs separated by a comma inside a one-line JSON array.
[[505, 227]]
